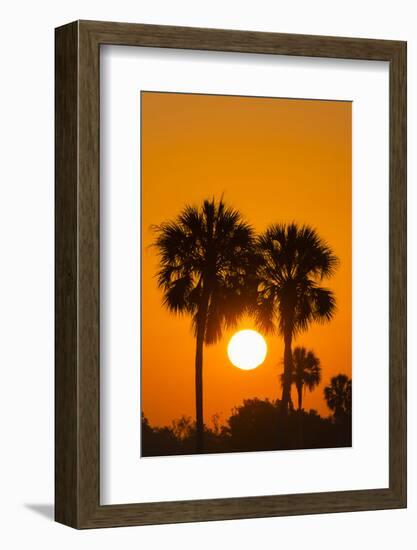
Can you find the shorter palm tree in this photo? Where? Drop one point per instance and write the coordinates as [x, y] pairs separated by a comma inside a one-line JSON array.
[[295, 262], [338, 395], [306, 372]]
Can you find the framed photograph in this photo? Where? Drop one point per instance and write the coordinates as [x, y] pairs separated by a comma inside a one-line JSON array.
[[230, 274]]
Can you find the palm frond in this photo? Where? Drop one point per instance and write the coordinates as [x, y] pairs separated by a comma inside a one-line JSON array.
[[207, 265], [294, 259], [265, 310]]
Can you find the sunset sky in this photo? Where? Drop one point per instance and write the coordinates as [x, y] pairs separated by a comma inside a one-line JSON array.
[[275, 160]]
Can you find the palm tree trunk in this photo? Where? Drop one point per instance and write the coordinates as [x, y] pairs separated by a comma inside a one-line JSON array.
[[199, 391], [201, 330], [300, 396], [286, 386], [299, 414]]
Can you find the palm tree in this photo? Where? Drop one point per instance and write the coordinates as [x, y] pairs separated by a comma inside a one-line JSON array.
[[207, 270], [295, 260], [338, 396], [306, 372]]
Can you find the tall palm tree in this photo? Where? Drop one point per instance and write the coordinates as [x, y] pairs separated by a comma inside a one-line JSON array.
[[306, 372], [207, 270], [295, 260], [338, 396]]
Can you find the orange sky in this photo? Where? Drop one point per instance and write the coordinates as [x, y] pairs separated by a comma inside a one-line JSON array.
[[276, 160]]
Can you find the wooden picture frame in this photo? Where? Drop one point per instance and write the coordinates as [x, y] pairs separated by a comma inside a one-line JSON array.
[[77, 374]]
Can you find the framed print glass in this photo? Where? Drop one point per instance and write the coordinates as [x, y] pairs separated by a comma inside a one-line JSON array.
[[230, 297]]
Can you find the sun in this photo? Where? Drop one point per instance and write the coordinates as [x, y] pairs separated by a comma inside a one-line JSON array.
[[247, 349]]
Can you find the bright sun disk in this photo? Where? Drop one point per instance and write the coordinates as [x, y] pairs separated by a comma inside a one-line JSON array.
[[247, 349]]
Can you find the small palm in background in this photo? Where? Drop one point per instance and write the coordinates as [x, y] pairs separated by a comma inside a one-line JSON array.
[[306, 373], [338, 395]]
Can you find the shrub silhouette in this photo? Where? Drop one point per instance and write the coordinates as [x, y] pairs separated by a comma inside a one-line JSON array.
[[253, 425]]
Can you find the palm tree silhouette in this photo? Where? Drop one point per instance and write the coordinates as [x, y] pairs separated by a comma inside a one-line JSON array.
[[207, 270], [294, 262], [306, 372], [338, 396]]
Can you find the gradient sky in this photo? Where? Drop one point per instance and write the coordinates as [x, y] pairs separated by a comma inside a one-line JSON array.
[[276, 160]]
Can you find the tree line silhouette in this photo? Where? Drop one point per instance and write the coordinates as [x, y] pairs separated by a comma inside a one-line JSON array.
[[214, 268], [258, 425]]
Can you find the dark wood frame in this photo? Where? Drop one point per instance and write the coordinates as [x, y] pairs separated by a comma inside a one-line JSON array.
[[77, 360]]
